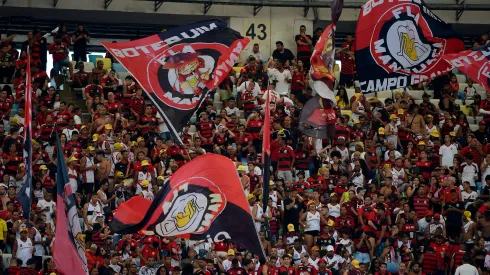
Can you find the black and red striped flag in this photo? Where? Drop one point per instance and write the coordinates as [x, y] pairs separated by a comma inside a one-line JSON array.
[[266, 152]]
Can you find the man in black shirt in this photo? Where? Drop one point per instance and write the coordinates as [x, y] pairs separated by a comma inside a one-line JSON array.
[[453, 210], [27, 42], [292, 206], [281, 53], [80, 39], [481, 133]]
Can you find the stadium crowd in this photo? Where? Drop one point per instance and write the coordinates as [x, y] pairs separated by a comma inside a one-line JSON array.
[[402, 188]]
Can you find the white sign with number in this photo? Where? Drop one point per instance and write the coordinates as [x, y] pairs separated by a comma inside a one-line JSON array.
[[258, 30]]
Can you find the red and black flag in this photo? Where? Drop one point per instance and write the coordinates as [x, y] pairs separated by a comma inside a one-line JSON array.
[[204, 200], [400, 43], [317, 118], [474, 63], [177, 68], [266, 152], [323, 58]]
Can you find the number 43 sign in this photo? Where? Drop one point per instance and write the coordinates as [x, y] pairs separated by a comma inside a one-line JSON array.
[[258, 31]]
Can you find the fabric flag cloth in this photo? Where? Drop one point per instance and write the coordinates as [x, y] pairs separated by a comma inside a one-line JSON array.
[[400, 43], [24, 195], [177, 68], [322, 64], [204, 200], [474, 63], [266, 152], [69, 243], [318, 118]]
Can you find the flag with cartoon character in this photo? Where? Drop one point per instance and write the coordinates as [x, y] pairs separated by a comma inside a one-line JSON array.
[[204, 200], [177, 68]]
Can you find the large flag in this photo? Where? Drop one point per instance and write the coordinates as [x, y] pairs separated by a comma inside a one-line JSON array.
[[266, 152], [24, 194], [400, 43], [323, 58], [474, 63], [318, 118], [204, 200], [177, 68], [69, 243]]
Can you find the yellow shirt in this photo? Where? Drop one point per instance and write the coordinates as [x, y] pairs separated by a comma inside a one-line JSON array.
[[3, 228]]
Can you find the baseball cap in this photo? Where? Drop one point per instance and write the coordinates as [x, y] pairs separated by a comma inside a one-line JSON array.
[[140, 139], [453, 134], [330, 248], [95, 137], [117, 146], [250, 196], [160, 178], [290, 227], [393, 116], [90, 148], [437, 216], [435, 133], [145, 163], [482, 122], [421, 143], [23, 229], [467, 214], [355, 263], [43, 167], [315, 248], [428, 213], [331, 223], [119, 174], [145, 183], [108, 127], [73, 158], [381, 131], [231, 252], [241, 168]]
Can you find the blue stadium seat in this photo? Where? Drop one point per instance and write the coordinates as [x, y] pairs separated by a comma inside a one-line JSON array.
[[93, 58], [118, 67]]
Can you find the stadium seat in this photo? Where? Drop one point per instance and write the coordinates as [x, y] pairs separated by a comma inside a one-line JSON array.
[[350, 93], [461, 78], [385, 94], [483, 94], [218, 105], [478, 119], [217, 97], [474, 127], [465, 111], [417, 94], [107, 62], [418, 101], [118, 67], [93, 58], [237, 69], [243, 121], [122, 75], [434, 101], [479, 87], [88, 66], [192, 129]]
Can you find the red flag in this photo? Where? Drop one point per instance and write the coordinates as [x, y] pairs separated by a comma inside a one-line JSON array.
[[177, 68], [400, 43], [474, 63], [204, 200], [266, 151], [322, 64]]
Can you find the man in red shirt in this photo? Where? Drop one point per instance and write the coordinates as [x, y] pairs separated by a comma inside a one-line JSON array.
[[285, 160], [348, 62], [305, 268], [286, 265], [59, 50], [304, 42]]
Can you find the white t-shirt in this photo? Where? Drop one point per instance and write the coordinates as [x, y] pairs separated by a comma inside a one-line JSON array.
[[230, 111], [244, 86], [472, 195], [335, 258], [52, 206], [466, 269], [387, 155], [470, 172], [282, 86], [448, 153], [334, 210]]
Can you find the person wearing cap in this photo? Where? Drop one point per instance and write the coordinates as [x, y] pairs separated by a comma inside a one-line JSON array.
[[391, 130], [469, 230], [145, 192], [229, 258], [334, 261], [23, 247]]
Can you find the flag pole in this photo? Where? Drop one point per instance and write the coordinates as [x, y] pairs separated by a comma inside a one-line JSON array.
[[266, 160]]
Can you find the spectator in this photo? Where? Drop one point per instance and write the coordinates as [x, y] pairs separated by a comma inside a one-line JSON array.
[[80, 38], [255, 53], [282, 54], [347, 59], [304, 43]]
